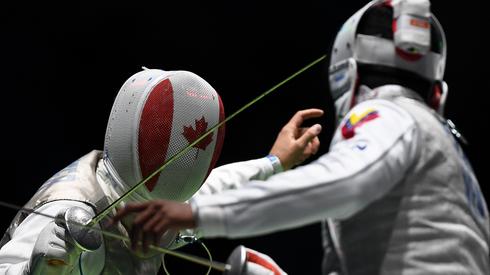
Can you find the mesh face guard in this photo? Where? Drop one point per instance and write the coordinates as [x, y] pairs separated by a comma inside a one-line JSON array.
[[156, 114]]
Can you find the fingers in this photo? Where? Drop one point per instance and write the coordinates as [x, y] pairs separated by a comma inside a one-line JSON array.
[[145, 215], [143, 230], [153, 219], [135, 236], [135, 232], [150, 235], [64, 239], [140, 222], [129, 208], [309, 135], [160, 228], [303, 115], [312, 147], [153, 232], [54, 248]]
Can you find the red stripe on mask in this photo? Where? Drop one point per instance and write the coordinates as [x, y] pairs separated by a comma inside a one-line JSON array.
[[155, 130]]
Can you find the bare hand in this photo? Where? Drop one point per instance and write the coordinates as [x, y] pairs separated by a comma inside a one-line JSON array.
[[295, 144], [153, 219]]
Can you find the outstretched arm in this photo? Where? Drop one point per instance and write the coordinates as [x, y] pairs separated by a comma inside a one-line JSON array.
[[371, 151], [293, 145], [369, 156]]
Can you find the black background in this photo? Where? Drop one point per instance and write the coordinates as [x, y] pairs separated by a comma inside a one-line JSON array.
[[62, 65]]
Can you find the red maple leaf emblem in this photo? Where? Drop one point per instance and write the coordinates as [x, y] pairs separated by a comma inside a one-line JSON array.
[[191, 135]]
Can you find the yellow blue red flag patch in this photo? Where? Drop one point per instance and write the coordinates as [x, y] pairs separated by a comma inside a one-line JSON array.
[[357, 120]]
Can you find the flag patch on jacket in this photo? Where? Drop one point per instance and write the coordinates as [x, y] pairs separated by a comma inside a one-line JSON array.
[[357, 120]]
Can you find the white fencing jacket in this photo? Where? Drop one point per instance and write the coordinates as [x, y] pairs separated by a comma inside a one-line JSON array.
[[85, 184], [406, 198]]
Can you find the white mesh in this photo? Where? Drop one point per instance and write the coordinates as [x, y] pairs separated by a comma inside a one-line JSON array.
[[120, 133], [193, 99]]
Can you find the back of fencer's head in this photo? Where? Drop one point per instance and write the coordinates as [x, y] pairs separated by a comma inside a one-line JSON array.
[[389, 42]]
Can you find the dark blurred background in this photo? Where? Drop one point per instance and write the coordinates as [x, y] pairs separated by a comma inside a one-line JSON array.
[[62, 65]]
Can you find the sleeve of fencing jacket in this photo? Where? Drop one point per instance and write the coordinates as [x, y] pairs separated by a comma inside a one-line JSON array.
[[234, 175], [372, 149]]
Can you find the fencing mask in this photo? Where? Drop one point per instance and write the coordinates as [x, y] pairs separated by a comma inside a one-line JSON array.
[[155, 115]]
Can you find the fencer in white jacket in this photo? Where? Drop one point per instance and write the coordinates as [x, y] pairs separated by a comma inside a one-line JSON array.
[[23, 248], [155, 114], [395, 190]]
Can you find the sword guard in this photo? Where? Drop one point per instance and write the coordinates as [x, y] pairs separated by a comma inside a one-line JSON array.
[[84, 238], [237, 262]]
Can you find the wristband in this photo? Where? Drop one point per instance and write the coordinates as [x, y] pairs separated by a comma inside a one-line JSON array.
[[276, 163]]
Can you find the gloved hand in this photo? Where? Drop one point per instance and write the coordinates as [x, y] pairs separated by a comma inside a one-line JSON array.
[[246, 261], [55, 251], [61, 242]]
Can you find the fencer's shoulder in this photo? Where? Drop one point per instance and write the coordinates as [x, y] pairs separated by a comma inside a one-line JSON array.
[[385, 104], [374, 118], [385, 110]]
